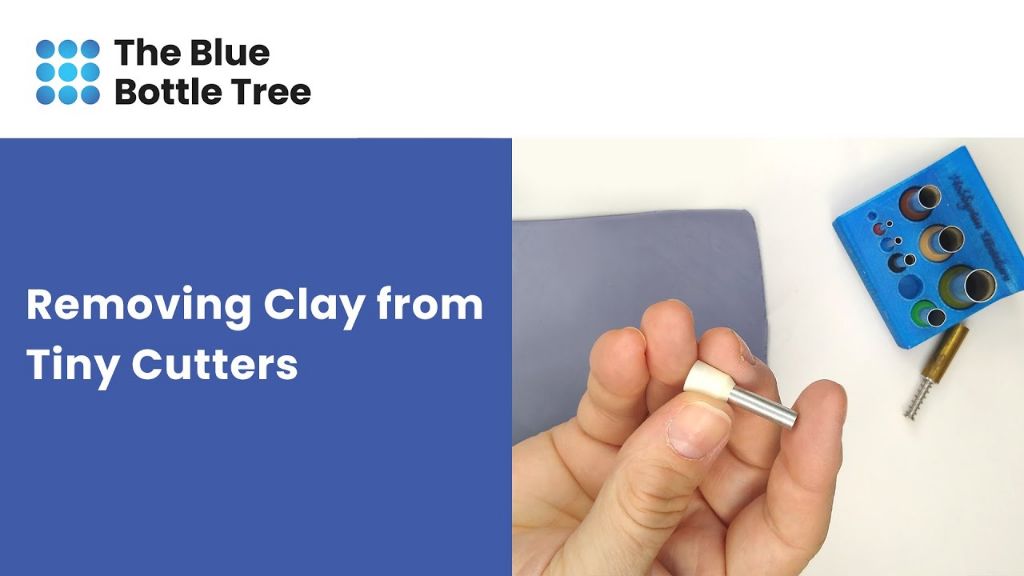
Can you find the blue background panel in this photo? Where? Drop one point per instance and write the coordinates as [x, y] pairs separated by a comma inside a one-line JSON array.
[[387, 455], [966, 203]]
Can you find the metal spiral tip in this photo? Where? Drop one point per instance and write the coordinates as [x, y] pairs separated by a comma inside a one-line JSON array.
[[922, 391]]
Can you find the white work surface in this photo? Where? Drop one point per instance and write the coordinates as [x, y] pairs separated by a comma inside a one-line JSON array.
[[942, 495]]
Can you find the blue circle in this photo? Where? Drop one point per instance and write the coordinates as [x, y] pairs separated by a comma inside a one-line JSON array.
[[910, 286], [67, 49], [90, 94], [44, 49], [90, 48], [44, 95], [44, 72], [68, 94], [67, 71], [90, 72]]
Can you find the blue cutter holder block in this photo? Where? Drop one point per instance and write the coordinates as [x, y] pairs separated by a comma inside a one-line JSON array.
[[933, 249]]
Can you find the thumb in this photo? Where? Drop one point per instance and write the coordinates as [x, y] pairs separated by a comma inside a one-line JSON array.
[[658, 470]]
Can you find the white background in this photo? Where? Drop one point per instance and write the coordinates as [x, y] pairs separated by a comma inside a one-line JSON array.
[[941, 495], [535, 68]]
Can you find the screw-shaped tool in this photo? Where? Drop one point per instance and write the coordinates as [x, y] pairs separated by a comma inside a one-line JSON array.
[[936, 367]]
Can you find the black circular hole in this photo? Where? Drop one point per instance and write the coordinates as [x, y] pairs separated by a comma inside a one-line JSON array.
[[951, 239], [980, 285], [888, 223], [910, 259], [898, 240], [936, 318], [929, 196]]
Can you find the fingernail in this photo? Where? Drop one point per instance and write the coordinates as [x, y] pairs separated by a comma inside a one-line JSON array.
[[745, 350], [697, 430], [638, 331]]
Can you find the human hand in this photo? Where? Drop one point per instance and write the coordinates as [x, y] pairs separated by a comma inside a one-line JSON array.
[[648, 480]]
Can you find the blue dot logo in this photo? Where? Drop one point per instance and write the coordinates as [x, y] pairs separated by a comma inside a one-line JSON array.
[[44, 49], [44, 95], [45, 72], [90, 72], [67, 71], [90, 49], [68, 49], [68, 94], [90, 94]]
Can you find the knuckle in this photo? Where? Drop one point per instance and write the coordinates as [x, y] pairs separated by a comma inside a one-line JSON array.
[[655, 495]]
